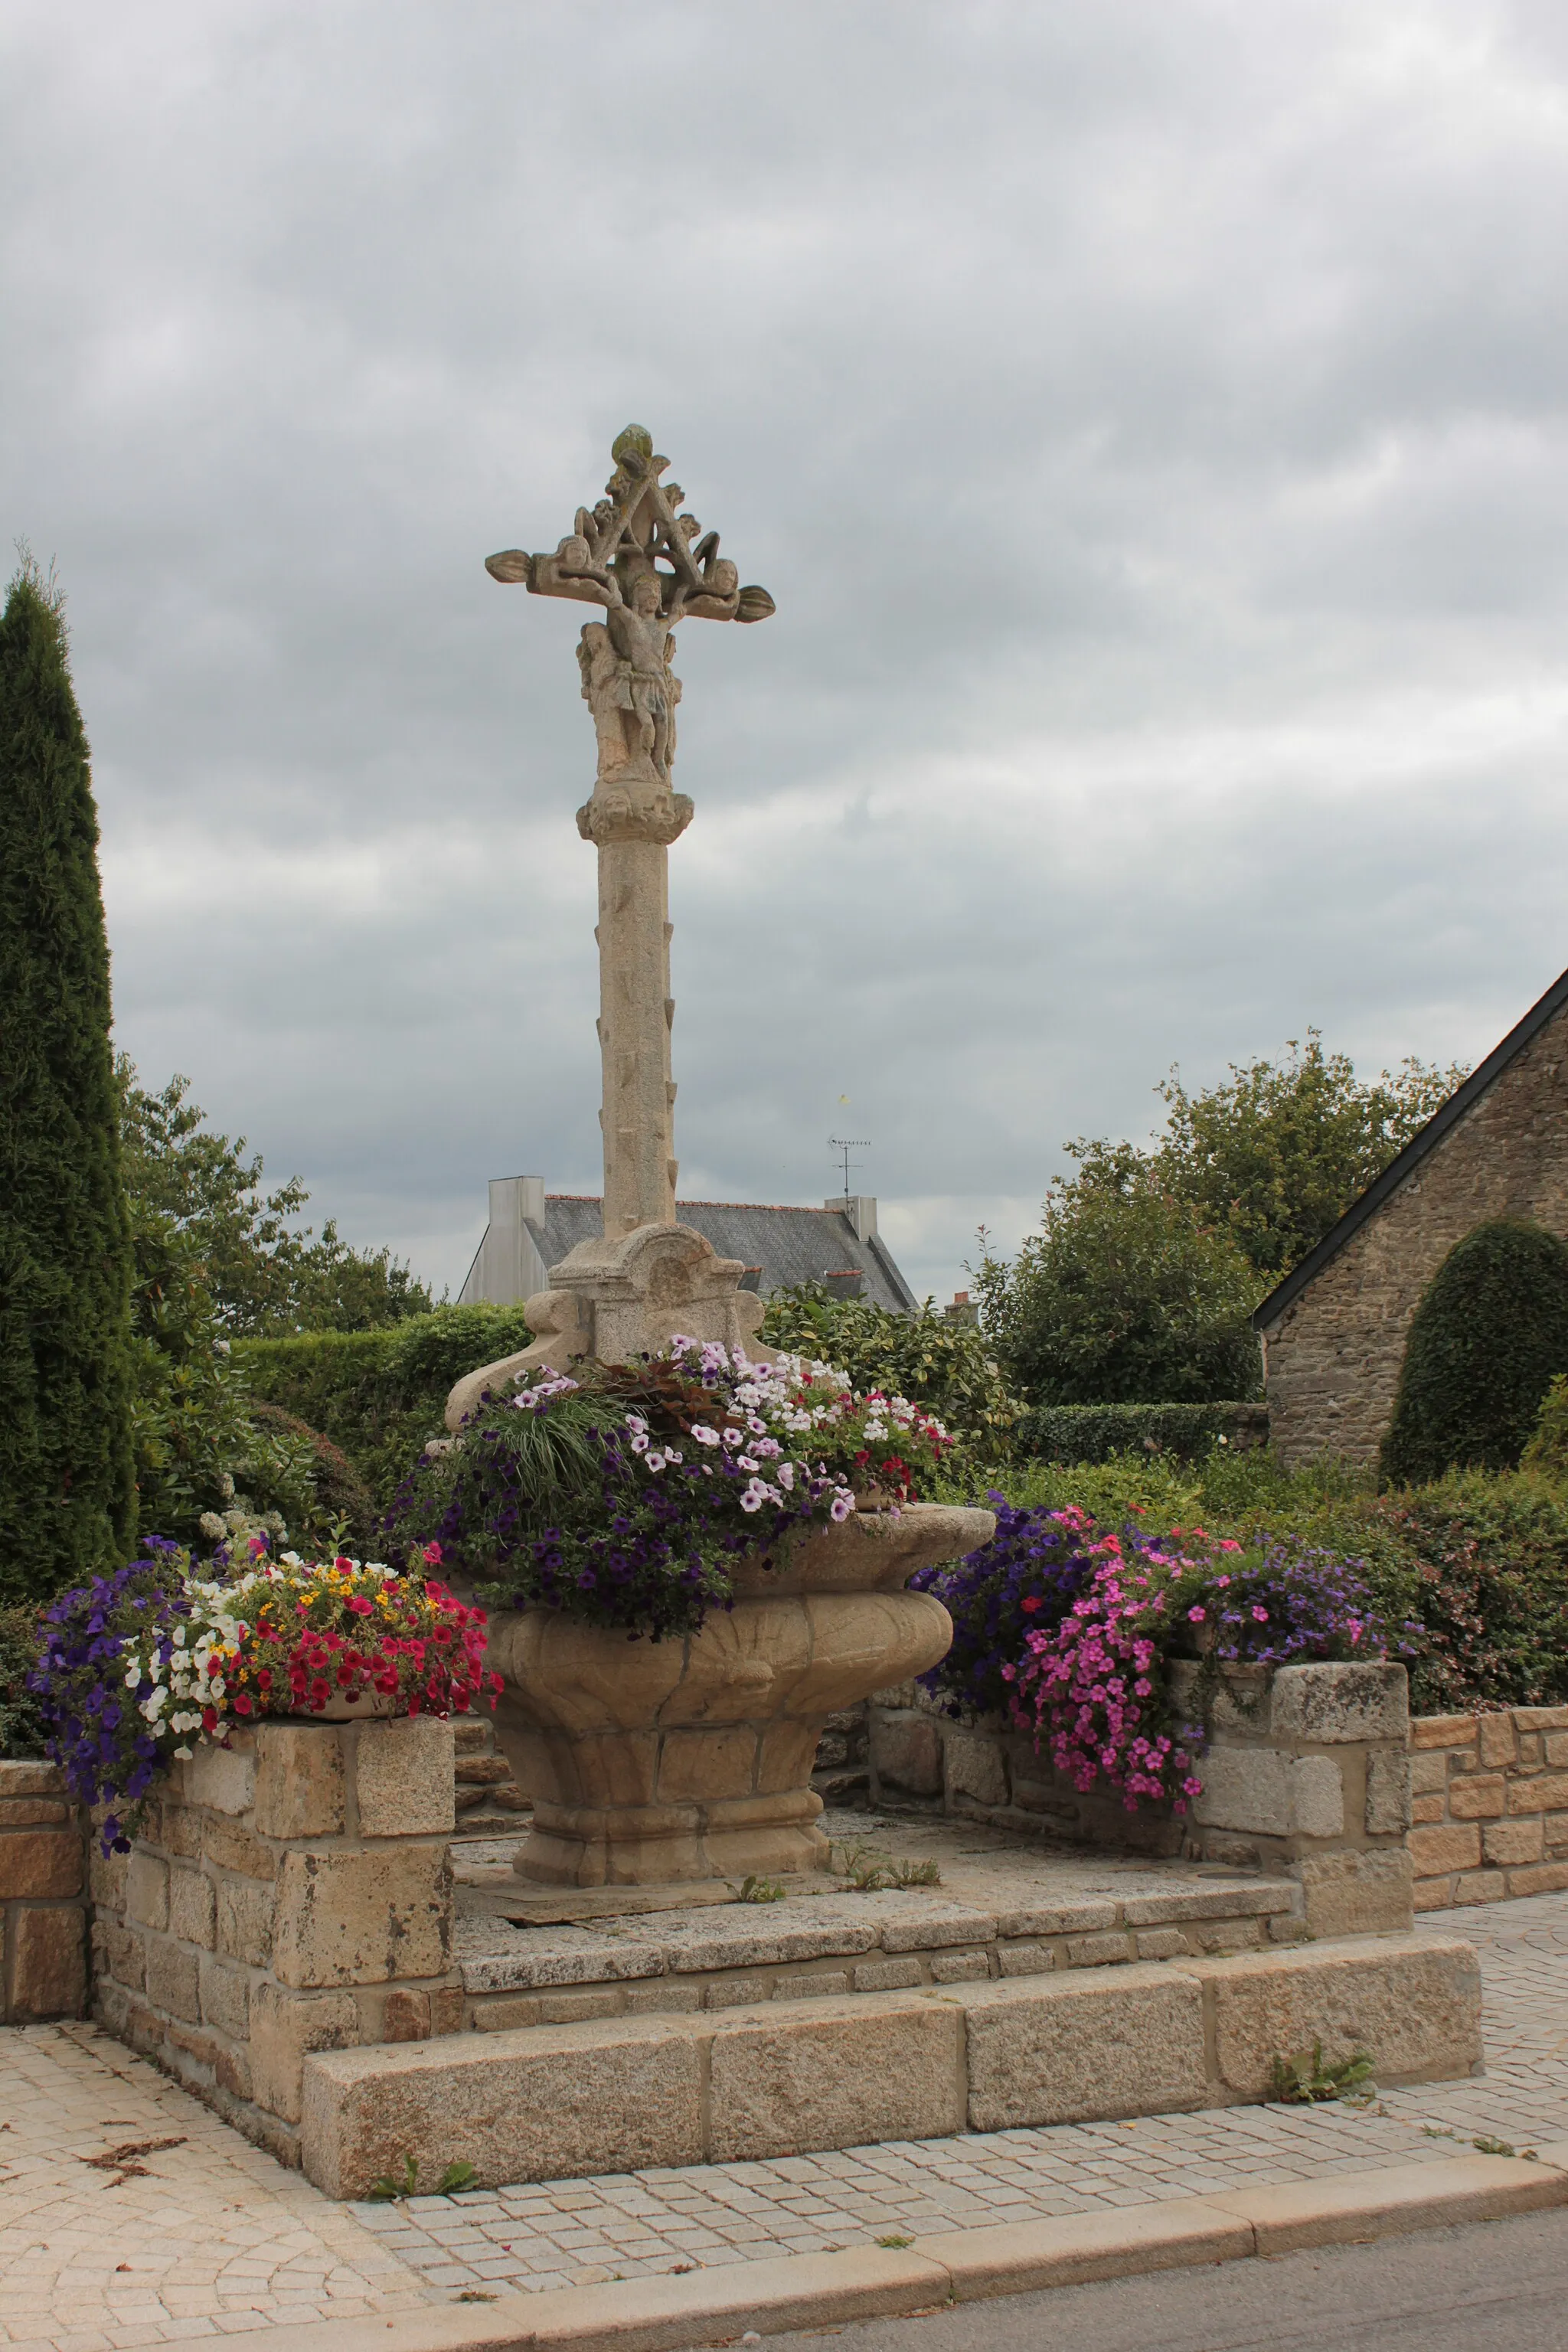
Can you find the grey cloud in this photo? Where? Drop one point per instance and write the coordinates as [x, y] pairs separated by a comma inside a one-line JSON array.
[[1149, 419]]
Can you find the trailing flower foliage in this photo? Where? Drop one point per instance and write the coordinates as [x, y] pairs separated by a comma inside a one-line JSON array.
[[137, 1666], [1095, 1690], [1289, 1605], [1067, 1628], [1024, 1580], [622, 1496]]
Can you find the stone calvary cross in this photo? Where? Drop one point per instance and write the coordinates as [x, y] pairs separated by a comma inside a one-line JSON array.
[[649, 565]]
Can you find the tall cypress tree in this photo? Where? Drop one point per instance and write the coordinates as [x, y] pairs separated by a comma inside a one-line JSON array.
[[68, 1496]]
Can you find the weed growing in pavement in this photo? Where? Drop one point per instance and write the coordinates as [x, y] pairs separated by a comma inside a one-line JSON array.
[[753, 1889], [389, 2190], [869, 1872], [1305, 2081]]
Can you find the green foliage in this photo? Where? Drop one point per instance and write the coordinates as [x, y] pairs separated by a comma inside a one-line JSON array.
[[1490, 1332], [1126, 1296], [1138, 1286], [946, 1369], [380, 1395], [1278, 1152], [68, 1498], [1094, 1433], [193, 1429], [1490, 1559], [1479, 1560], [21, 1715], [1547, 1451], [263, 1274]]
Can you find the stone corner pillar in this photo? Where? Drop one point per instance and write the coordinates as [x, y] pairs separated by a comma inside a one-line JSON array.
[[290, 1892]]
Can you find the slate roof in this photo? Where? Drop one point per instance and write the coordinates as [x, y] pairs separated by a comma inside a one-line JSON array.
[[778, 1246], [1445, 1115]]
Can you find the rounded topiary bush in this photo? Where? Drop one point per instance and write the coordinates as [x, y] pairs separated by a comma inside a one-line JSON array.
[[1485, 1342]]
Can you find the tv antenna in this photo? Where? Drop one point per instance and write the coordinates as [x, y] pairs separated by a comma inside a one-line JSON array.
[[844, 1146]]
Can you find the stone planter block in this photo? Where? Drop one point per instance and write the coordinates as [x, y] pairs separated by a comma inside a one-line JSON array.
[[343, 1918]]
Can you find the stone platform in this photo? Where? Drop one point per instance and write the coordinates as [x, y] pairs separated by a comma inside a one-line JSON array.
[[1001, 1909], [1027, 1988]]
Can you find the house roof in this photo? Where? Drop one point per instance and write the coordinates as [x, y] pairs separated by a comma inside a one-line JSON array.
[[779, 1246], [1448, 1115]]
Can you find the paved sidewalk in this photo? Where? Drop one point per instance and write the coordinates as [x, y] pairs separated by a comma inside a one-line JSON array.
[[214, 2237]]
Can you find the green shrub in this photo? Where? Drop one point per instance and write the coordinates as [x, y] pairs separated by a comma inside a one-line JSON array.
[[1490, 1558], [1094, 1432], [68, 1496], [947, 1368], [21, 1715], [380, 1395], [1485, 1341], [1547, 1451]]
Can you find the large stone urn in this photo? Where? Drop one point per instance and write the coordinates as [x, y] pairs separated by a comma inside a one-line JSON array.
[[657, 1763]]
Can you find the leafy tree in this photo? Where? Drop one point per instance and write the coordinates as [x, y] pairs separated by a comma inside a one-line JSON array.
[[66, 1492], [1127, 1294], [196, 1433], [1279, 1150], [946, 1369], [1490, 1332], [264, 1275]]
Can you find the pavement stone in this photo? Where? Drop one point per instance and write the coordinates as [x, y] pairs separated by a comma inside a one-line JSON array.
[[213, 2237]]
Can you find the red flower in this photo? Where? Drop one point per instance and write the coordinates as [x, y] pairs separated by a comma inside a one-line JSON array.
[[242, 1703]]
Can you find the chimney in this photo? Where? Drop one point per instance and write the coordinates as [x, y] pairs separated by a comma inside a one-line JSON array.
[[860, 1208]]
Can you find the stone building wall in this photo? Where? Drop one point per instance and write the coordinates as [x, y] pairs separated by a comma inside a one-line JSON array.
[[1332, 1358], [290, 1893], [1489, 1802], [43, 1896], [1307, 1775]]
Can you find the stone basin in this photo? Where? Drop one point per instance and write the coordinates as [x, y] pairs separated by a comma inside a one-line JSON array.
[[653, 1763]]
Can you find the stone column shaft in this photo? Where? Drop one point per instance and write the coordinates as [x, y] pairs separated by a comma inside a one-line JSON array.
[[636, 1010]]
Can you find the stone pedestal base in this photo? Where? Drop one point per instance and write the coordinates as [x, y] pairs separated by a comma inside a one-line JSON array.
[[656, 1762], [615, 1299]]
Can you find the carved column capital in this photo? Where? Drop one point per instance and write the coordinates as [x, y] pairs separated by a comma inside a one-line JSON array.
[[617, 814]]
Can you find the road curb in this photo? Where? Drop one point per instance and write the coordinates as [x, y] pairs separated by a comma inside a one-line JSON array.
[[800, 2290]]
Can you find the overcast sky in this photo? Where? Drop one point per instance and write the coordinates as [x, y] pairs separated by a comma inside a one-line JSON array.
[[1149, 416]]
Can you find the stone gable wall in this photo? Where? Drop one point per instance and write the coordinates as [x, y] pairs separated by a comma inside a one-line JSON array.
[[1489, 1801], [1334, 1358]]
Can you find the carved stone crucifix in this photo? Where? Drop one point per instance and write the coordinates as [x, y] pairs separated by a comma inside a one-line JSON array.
[[649, 565]]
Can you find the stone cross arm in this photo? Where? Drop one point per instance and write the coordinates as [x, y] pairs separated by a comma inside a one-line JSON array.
[[637, 531]]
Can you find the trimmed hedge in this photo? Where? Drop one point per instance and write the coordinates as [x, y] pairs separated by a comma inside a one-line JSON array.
[[380, 1395], [1096, 1432], [1489, 1333]]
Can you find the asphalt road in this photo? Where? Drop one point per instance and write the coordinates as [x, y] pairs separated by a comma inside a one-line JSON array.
[[1493, 2287]]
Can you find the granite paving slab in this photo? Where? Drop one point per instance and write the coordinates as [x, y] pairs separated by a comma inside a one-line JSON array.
[[213, 2237]]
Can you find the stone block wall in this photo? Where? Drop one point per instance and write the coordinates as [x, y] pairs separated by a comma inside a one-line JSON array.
[[290, 1893], [1489, 1805], [43, 1896], [1307, 1775], [1333, 1358]]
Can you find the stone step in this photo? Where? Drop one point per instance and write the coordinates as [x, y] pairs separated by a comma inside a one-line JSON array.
[[780, 2078], [835, 1941]]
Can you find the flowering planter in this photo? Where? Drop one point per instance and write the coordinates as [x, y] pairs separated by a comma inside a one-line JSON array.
[[651, 1763], [362, 1706]]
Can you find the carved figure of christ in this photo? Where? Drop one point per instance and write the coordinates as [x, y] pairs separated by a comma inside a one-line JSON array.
[[634, 555]]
